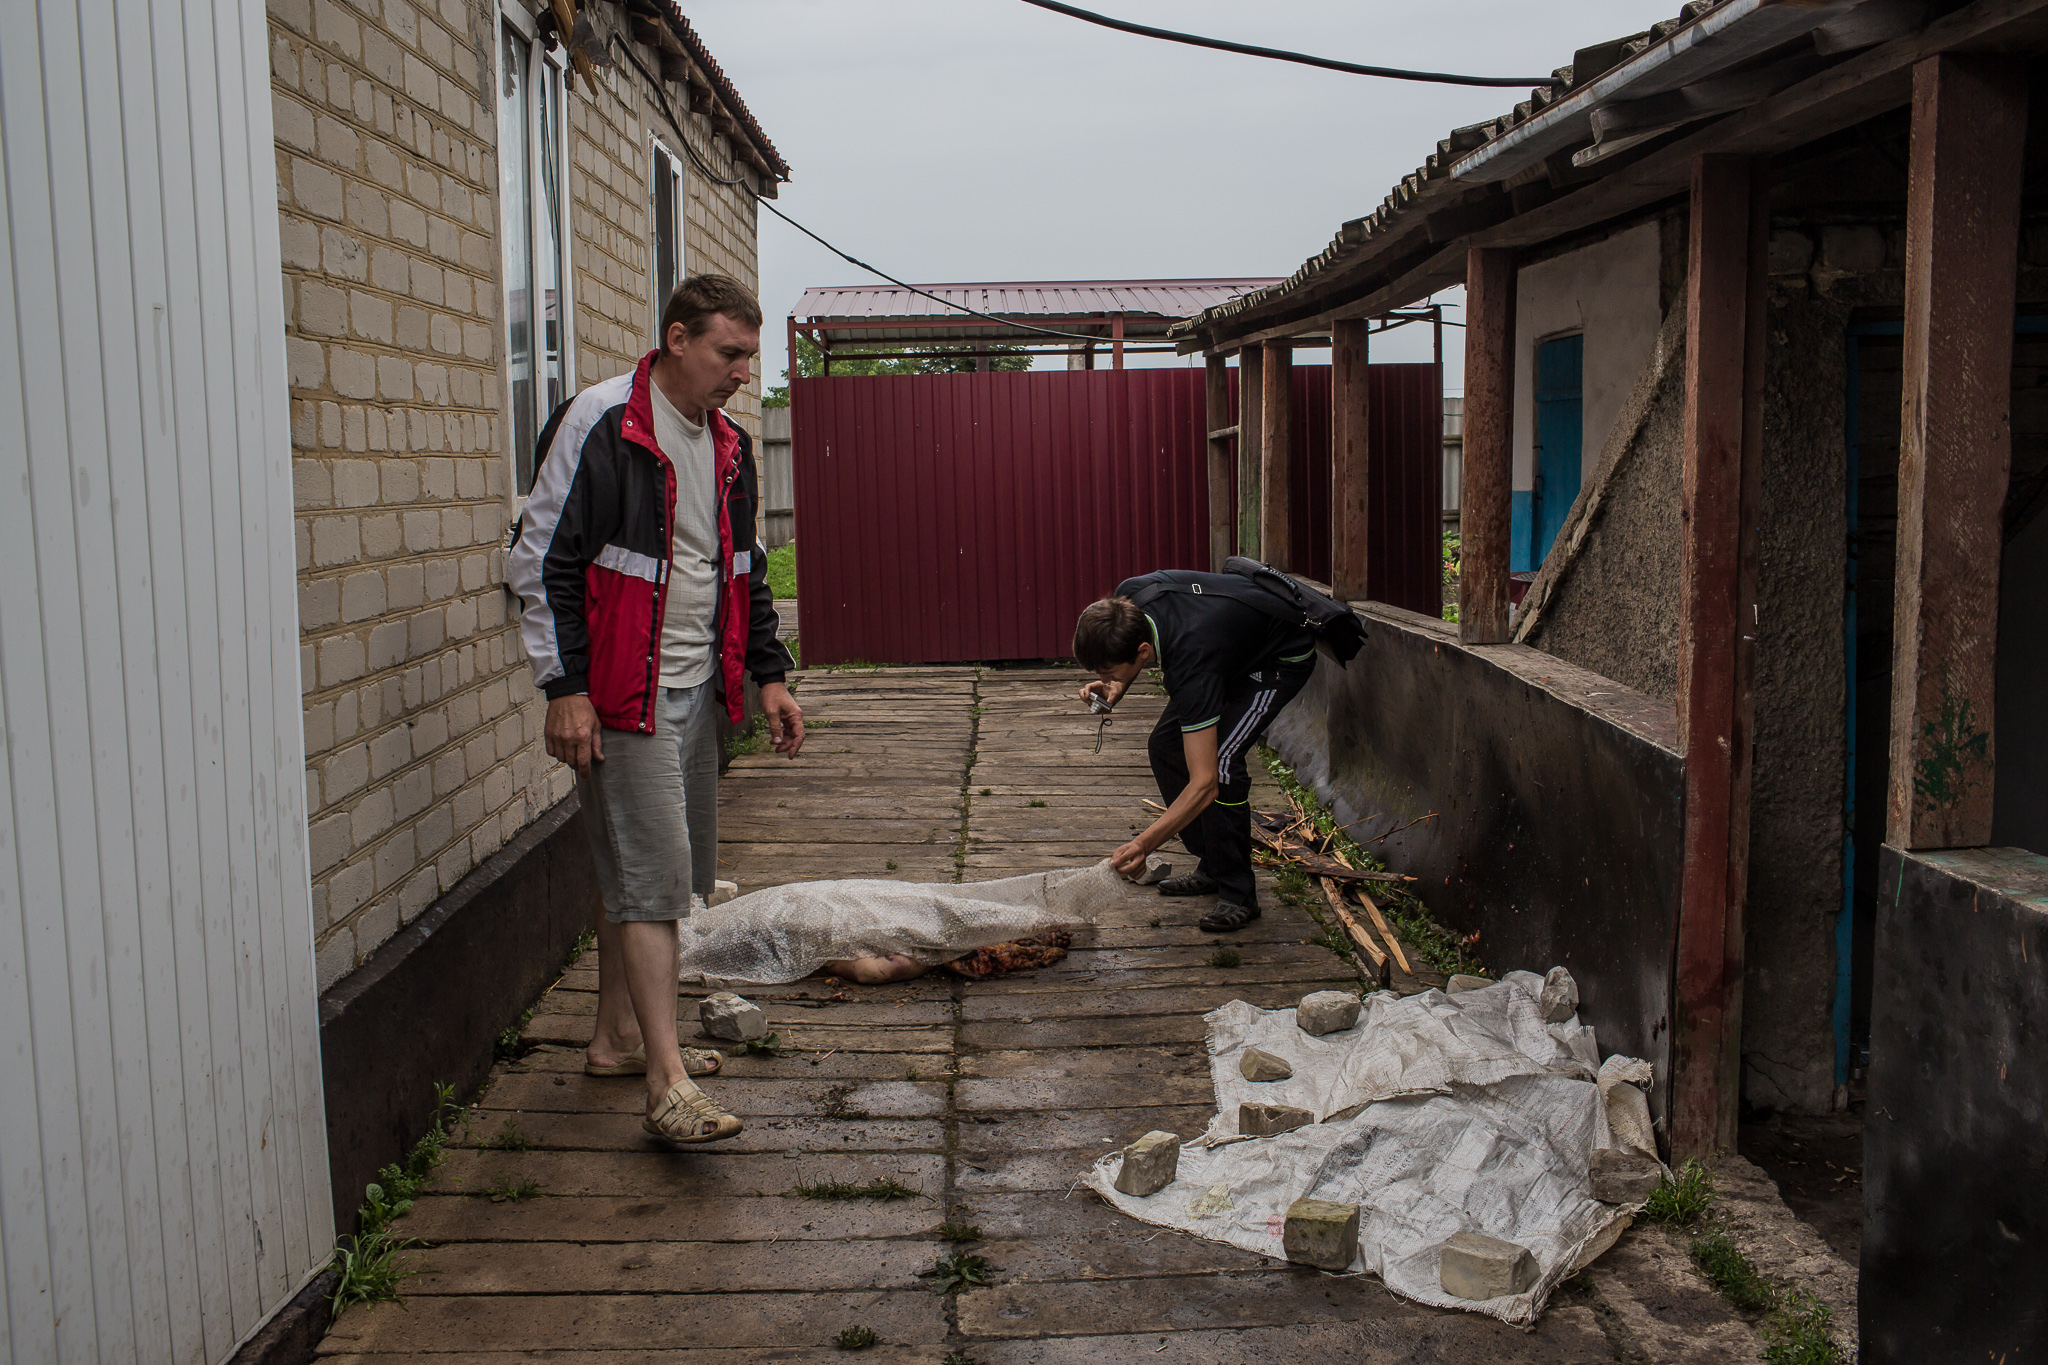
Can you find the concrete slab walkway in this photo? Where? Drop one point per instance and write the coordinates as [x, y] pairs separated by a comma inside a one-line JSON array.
[[988, 1099]]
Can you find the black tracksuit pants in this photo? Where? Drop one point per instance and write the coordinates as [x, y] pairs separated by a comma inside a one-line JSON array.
[[1221, 836]]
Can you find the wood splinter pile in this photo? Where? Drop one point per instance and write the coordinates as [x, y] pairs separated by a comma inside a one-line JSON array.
[[1291, 836]]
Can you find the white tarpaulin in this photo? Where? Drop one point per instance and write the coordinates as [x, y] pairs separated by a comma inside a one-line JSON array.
[[1439, 1114], [785, 933]]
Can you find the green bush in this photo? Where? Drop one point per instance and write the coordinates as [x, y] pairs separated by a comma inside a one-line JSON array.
[[1682, 1200]]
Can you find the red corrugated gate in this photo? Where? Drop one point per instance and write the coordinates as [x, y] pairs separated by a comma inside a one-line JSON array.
[[971, 516]]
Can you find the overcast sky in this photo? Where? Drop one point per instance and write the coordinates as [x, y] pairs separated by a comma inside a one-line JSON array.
[[957, 140]]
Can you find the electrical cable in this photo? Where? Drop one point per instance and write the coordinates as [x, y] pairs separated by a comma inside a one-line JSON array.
[[1280, 54]]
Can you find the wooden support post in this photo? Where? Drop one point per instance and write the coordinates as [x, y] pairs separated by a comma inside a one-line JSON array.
[[1116, 331], [1350, 462], [1721, 484], [1487, 489], [1221, 510], [1276, 512], [1251, 399], [1955, 448]]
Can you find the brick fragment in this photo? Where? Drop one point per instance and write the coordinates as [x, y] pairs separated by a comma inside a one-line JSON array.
[[1321, 1233], [1461, 983], [1255, 1118], [728, 1016], [1261, 1065], [1477, 1267], [1624, 1177], [1322, 1012], [1149, 1164]]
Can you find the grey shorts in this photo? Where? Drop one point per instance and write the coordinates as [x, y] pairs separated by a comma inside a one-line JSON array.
[[651, 809]]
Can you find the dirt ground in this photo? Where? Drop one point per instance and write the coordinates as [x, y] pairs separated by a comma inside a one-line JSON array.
[[985, 1101]]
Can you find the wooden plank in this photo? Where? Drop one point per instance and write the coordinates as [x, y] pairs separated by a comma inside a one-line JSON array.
[[1379, 922], [1335, 900], [1955, 449], [1486, 490], [1717, 644], [1276, 417], [1350, 462], [1216, 391], [1251, 400]]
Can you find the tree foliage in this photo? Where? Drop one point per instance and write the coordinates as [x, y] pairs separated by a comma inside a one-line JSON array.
[[860, 360]]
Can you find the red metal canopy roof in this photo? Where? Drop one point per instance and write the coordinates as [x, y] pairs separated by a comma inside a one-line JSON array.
[[872, 313]]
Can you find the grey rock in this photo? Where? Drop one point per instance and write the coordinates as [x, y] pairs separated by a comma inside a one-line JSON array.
[[1321, 1233], [1149, 1164], [1255, 1118], [1622, 1177], [1477, 1267], [1157, 869], [725, 1015], [1261, 1065], [1560, 998], [1326, 1012], [1461, 983], [721, 892]]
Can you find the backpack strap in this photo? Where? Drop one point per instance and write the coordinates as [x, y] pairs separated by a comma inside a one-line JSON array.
[[1249, 593]]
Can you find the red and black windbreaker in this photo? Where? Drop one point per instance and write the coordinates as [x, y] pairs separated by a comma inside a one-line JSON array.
[[589, 557]]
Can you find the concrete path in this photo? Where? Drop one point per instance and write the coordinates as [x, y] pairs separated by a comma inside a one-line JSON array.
[[988, 1099]]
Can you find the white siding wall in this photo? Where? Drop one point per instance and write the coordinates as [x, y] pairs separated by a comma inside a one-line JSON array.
[[163, 1171]]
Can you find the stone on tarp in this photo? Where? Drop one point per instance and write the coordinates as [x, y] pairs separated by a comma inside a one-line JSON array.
[[1324, 1012], [1261, 1065], [728, 1016], [1475, 1266], [721, 892], [1149, 1164], [1321, 1233], [1560, 998], [1461, 983], [1624, 1177], [1157, 869], [1256, 1118]]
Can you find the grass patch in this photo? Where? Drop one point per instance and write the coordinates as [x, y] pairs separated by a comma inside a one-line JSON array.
[[510, 1139], [1729, 1271], [751, 739], [782, 570], [1682, 1200], [1337, 943], [1437, 947], [857, 1338], [1226, 957], [960, 1232], [371, 1271], [961, 1270], [1035, 802], [988, 791], [1799, 1333], [508, 1037], [508, 1190], [767, 1045], [881, 1187]]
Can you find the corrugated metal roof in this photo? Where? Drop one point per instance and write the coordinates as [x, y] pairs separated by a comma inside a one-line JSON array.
[[723, 88], [1148, 307], [1607, 75]]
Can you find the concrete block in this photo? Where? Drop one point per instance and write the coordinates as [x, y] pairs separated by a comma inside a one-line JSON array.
[[1261, 1065], [1622, 1177], [1461, 983], [1475, 1266], [1157, 869], [727, 1016], [1258, 1119], [1321, 1233], [1326, 1012], [1149, 1164], [1560, 998], [721, 892]]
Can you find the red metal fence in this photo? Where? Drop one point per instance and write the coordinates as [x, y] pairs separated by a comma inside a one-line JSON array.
[[972, 516]]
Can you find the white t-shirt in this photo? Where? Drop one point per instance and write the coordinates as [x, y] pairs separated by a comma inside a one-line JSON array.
[[688, 644]]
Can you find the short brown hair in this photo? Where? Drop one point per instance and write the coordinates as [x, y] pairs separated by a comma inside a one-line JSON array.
[[1108, 633], [699, 296]]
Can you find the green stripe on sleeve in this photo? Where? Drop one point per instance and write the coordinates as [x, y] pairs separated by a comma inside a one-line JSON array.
[[1190, 729]]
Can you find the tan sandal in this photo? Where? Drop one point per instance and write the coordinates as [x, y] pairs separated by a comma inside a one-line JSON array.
[[697, 1061], [690, 1116]]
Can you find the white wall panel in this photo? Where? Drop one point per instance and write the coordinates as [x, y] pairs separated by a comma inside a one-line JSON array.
[[163, 1168]]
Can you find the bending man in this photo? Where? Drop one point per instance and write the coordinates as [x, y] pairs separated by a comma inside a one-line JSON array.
[[646, 604], [1229, 668]]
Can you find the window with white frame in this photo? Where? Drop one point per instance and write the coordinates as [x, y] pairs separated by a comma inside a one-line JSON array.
[[666, 189], [532, 175]]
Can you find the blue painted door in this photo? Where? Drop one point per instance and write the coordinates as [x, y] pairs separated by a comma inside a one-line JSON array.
[[1560, 432]]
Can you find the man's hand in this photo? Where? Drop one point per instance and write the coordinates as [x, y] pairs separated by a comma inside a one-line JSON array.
[[573, 734], [1111, 693], [1130, 859], [785, 718]]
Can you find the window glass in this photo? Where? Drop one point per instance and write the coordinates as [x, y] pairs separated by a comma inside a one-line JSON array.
[[668, 230], [517, 209], [531, 126]]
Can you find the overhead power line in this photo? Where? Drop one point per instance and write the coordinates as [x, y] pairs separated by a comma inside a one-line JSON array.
[[1281, 55]]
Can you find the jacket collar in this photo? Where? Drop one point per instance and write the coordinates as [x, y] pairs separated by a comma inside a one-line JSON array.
[[639, 419]]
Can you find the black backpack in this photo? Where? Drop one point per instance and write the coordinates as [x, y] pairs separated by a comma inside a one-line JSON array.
[[1338, 631]]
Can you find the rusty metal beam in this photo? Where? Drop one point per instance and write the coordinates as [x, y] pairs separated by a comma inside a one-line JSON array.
[[1350, 462], [1717, 639], [1488, 482], [1251, 433], [1216, 391], [1276, 509], [1955, 449]]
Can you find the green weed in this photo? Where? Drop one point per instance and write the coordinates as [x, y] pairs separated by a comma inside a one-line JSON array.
[[1682, 1200], [371, 1271], [961, 1270], [1799, 1333], [768, 1045], [957, 1358], [857, 1338], [988, 791], [1035, 803], [1226, 957], [959, 1232], [881, 1187], [508, 1037], [510, 1139], [513, 1191], [1729, 1271], [891, 864]]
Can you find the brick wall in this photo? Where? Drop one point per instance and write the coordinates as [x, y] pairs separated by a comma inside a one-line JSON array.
[[423, 730]]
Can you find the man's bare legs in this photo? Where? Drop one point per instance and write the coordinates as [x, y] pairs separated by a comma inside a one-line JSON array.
[[636, 1001]]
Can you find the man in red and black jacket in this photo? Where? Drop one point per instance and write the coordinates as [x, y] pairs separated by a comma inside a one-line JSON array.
[[646, 605]]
